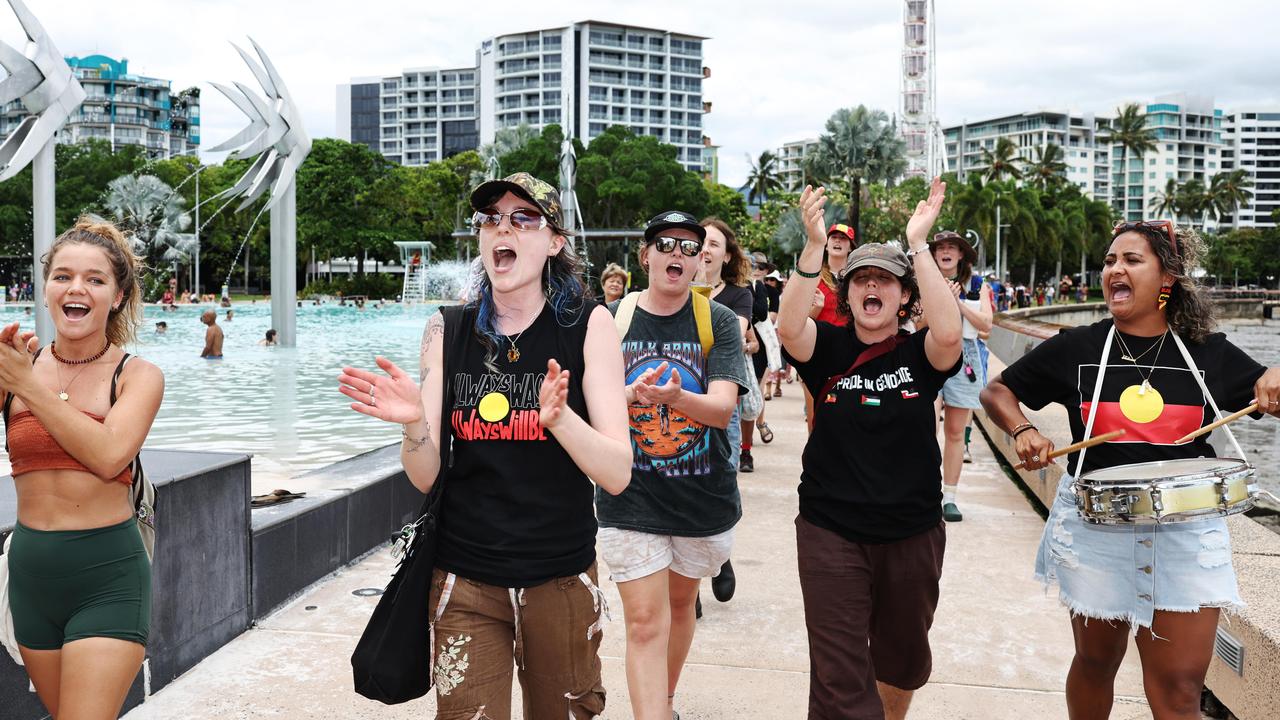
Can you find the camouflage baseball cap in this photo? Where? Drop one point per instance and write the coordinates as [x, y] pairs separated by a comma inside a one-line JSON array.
[[886, 257], [540, 193]]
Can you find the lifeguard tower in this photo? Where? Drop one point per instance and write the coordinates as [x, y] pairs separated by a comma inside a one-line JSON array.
[[415, 256]]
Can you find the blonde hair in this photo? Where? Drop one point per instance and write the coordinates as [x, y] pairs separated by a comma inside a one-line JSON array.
[[613, 269], [126, 267]]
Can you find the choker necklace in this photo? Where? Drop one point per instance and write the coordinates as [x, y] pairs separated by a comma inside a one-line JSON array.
[[53, 348]]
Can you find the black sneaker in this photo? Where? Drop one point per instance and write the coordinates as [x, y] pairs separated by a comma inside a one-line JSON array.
[[697, 608], [746, 463], [723, 585]]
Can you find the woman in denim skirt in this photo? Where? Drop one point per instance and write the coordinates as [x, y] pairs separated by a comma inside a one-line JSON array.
[[1165, 584]]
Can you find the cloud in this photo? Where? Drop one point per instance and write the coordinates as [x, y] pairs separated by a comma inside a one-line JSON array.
[[778, 70]]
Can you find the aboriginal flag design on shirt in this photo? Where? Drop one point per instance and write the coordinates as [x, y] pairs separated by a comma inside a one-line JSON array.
[[1174, 407]]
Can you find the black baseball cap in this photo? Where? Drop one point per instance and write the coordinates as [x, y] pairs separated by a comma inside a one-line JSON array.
[[671, 219]]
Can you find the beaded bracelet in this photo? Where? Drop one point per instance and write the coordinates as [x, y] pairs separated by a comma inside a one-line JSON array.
[[1021, 429], [804, 274]]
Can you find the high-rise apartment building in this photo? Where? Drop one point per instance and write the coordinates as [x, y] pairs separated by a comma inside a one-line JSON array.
[[1253, 137], [1088, 164], [791, 163], [124, 109], [1189, 145], [584, 77]]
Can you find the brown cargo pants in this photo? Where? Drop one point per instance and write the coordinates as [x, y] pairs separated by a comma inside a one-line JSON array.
[[551, 632]]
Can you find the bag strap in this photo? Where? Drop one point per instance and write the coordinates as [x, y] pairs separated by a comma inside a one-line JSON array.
[[8, 403], [864, 357], [1097, 394], [115, 377], [701, 315], [1217, 414]]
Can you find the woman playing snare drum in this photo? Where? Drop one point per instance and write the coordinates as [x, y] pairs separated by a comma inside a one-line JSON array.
[[1165, 583]]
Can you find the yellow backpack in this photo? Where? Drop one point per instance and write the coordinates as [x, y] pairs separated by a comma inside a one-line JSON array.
[[701, 315]]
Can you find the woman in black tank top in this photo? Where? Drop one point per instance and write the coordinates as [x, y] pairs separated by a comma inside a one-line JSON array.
[[515, 565]]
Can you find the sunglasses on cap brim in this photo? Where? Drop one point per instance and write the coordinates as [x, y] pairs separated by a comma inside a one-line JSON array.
[[666, 244]]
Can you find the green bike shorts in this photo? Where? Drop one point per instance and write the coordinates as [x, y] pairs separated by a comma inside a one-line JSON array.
[[67, 585]]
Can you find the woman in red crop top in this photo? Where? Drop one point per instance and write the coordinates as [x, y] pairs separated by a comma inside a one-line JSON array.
[[79, 578]]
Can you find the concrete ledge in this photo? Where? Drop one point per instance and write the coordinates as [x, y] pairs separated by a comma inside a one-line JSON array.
[[1255, 694], [200, 573], [296, 544]]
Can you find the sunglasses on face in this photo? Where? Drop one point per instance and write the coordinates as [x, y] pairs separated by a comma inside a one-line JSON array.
[[1162, 226], [690, 248], [521, 219]]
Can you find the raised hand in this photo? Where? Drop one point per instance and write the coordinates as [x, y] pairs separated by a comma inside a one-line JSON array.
[[926, 214], [394, 397], [15, 358], [644, 379], [811, 203], [553, 396]]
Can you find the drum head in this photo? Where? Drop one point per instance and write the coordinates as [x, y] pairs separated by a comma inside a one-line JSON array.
[[1162, 469]]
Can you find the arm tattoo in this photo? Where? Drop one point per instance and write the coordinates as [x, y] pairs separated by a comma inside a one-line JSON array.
[[435, 329]]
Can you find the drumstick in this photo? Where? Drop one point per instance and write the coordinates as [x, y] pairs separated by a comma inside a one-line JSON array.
[[1105, 437], [1216, 424]]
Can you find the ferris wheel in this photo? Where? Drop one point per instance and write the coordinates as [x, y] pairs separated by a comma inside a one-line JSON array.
[[920, 128]]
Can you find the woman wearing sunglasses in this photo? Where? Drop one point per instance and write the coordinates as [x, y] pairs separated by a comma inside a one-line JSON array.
[[535, 381], [673, 525], [1165, 585]]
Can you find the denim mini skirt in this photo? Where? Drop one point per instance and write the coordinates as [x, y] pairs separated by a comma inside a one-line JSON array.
[[1127, 572], [961, 390]]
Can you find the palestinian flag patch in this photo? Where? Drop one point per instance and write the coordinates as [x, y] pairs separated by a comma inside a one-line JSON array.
[[871, 400]]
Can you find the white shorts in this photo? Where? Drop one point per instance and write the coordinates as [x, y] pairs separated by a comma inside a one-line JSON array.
[[632, 555]]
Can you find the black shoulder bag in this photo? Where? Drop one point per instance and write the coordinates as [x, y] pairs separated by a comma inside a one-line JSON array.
[[392, 660]]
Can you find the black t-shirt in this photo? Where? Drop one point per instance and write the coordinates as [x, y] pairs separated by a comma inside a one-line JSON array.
[[759, 302], [871, 466], [682, 482], [775, 296], [737, 299], [517, 509], [1064, 368]]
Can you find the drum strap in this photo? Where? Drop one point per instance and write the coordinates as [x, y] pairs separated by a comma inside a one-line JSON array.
[[1217, 414], [1097, 395]]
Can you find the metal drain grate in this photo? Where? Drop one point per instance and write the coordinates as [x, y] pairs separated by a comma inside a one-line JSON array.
[[1230, 650]]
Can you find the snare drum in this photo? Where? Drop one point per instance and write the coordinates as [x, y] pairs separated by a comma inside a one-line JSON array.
[[1166, 491]]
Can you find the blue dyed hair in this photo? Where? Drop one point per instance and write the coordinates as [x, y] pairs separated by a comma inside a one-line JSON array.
[[562, 284]]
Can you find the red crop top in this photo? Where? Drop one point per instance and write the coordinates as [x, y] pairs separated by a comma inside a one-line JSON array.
[[31, 447]]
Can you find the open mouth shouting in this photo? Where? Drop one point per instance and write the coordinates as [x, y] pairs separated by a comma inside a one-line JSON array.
[[872, 305], [504, 257], [1120, 291], [75, 311], [675, 270]]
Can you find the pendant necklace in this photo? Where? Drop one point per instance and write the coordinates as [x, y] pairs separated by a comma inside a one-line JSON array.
[[62, 395], [1142, 403], [513, 352]]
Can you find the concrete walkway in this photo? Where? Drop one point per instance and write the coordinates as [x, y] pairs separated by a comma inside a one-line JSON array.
[[1002, 646]]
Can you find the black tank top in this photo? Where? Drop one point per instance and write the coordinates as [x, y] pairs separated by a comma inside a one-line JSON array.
[[517, 510]]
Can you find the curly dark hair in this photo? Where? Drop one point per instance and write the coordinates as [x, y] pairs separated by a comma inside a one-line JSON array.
[[909, 286], [1188, 311]]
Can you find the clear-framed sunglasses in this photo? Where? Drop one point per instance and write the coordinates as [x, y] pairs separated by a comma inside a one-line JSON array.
[[521, 219]]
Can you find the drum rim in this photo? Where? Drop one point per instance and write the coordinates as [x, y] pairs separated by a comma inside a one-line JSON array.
[[1238, 467]]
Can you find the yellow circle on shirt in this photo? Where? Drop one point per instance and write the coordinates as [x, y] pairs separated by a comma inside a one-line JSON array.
[[1141, 407], [494, 407]]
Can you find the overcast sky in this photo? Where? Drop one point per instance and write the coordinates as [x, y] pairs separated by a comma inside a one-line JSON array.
[[778, 68]]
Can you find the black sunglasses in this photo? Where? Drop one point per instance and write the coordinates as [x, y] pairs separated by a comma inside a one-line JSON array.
[[688, 247], [521, 219]]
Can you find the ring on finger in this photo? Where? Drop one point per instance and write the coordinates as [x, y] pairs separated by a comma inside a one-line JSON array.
[[1035, 458]]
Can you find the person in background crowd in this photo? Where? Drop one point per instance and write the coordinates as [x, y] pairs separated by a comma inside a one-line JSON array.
[[270, 339], [613, 282], [841, 240]]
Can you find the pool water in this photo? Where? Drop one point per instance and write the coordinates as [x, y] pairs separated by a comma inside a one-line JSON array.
[[279, 404]]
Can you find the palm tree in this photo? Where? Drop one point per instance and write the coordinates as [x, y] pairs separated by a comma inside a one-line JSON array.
[[153, 216], [1004, 161], [763, 179], [1166, 202], [1227, 192], [1129, 130], [859, 145], [1192, 201], [1048, 169]]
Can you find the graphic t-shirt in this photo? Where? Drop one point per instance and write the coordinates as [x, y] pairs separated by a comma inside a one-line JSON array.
[[870, 471], [1064, 368], [682, 481], [517, 510]]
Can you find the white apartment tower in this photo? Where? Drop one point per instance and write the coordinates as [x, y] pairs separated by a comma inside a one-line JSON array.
[[1253, 137], [583, 77], [791, 163], [1189, 144]]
